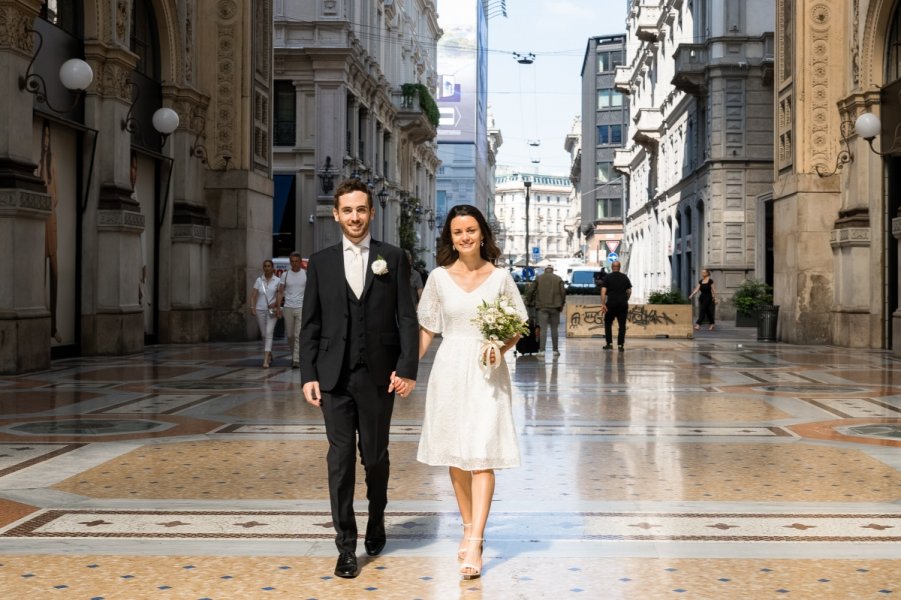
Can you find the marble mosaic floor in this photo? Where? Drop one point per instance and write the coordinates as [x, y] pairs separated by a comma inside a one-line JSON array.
[[716, 467]]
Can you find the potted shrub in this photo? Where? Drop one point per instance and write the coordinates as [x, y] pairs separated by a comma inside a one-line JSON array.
[[673, 296], [748, 298]]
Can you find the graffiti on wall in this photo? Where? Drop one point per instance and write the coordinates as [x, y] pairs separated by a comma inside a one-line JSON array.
[[646, 320]]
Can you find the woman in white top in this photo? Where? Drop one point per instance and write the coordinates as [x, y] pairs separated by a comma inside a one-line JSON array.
[[264, 304]]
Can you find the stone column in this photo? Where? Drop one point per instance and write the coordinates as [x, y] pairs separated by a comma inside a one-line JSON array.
[[331, 110], [24, 205], [240, 205], [112, 316], [187, 319], [896, 316]]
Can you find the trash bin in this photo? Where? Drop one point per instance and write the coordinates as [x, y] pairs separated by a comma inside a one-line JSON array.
[[767, 319]]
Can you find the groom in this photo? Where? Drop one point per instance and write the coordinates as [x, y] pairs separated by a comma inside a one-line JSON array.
[[359, 344]]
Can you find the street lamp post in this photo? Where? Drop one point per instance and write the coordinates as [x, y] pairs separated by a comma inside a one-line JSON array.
[[383, 202], [527, 184]]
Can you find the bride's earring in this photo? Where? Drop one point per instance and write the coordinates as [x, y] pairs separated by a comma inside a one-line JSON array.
[[454, 247], [483, 243]]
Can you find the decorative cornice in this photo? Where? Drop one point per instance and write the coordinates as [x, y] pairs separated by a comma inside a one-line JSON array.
[[22, 202], [850, 237], [192, 234], [120, 220]]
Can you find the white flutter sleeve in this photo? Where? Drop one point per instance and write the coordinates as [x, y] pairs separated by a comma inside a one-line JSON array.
[[510, 290], [429, 311]]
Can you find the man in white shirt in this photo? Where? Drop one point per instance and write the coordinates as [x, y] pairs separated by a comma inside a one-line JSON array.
[[290, 289]]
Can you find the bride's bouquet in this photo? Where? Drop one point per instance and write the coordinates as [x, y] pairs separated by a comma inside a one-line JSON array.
[[498, 322]]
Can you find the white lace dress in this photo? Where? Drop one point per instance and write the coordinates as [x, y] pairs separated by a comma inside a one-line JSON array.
[[468, 419]]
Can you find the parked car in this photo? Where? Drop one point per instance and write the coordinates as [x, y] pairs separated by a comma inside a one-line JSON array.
[[585, 280]]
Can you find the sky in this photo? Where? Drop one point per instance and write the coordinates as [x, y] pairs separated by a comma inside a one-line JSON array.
[[539, 101]]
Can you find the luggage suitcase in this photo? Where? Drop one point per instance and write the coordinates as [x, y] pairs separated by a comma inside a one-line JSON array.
[[528, 344]]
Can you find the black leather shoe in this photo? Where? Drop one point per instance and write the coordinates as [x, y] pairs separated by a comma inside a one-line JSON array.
[[347, 565], [375, 537], [608, 347], [622, 349]]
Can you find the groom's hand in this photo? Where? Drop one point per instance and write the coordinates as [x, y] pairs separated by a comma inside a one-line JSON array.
[[401, 385], [311, 393]]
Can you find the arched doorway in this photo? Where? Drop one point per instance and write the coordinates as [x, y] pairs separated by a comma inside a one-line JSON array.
[[149, 169]]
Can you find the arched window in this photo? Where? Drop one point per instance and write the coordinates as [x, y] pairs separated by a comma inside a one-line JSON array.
[[893, 64], [66, 15], [143, 39]]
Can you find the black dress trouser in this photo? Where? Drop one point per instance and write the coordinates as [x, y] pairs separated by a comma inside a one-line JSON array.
[[355, 406], [619, 312]]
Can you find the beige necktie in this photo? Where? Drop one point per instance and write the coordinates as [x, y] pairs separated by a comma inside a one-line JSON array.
[[355, 274]]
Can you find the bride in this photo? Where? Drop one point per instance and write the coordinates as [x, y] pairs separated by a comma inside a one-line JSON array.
[[468, 424]]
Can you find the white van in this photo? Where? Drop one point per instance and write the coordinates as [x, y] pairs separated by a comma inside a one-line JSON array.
[[583, 278]]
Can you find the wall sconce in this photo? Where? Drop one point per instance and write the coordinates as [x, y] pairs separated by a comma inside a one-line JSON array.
[[164, 120], [868, 126], [383, 198], [327, 176], [844, 155], [198, 150], [431, 219], [75, 75]]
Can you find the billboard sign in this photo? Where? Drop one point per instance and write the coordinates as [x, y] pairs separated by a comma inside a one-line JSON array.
[[458, 61]]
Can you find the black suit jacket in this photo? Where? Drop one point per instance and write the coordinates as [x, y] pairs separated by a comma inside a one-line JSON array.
[[392, 329]]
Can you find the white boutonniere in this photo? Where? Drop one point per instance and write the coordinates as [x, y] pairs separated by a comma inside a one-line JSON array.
[[379, 266]]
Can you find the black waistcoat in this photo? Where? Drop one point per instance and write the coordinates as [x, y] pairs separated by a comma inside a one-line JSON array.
[[355, 350]]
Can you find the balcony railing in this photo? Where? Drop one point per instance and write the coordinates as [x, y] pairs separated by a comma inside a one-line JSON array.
[[648, 123], [412, 118], [648, 26], [622, 81], [691, 69], [622, 161]]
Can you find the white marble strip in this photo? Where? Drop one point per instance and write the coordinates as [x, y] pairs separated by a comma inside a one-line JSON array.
[[618, 430], [856, 407], [157, 404], [635, 527], [12, 455]]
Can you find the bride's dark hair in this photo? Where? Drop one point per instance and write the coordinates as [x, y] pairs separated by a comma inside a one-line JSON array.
[[447, 255]]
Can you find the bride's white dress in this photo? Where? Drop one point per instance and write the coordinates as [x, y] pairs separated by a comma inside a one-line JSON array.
[[468, 419]]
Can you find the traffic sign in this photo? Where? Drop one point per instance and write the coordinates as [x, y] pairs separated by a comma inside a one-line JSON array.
[[612, 256]]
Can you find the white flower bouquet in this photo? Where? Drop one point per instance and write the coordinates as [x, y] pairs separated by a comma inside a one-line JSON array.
[[498, 322]]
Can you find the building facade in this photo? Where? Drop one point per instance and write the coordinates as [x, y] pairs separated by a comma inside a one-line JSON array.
[[353, 80], [605, 120], [576, 242], [699, 76], [465, 174], [837, 195], [532, 227], [122, 223]]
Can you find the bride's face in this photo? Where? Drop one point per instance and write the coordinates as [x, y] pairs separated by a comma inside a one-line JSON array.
[[466, 235]]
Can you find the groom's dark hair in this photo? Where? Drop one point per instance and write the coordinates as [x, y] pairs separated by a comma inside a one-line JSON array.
[[447, 255], [353, 185]]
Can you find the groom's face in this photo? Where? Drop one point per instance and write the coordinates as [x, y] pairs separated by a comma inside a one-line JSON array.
[[353, 214]]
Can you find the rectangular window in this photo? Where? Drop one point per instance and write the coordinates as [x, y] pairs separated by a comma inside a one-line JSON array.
[[608, 60], [609, 208], [608, 98], [285, 113], [610, 134], [605, 172]]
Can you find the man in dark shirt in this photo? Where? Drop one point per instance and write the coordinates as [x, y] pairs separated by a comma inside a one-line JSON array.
[[615, 292]]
